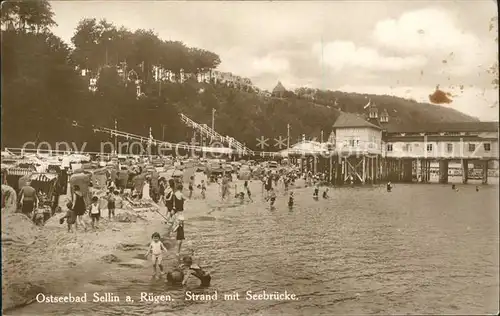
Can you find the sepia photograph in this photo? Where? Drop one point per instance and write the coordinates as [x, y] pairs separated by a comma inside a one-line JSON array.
[[250, 157]]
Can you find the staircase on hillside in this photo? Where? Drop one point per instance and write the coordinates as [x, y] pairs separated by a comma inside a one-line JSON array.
[[205, 130]]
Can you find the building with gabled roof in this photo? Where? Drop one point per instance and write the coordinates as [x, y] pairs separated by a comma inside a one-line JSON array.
[[279, 90], [349, 120]]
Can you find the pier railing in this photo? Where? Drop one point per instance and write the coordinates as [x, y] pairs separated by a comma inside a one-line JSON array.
[[205, 130]]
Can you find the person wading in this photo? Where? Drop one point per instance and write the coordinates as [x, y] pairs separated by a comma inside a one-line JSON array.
[[179, 217]]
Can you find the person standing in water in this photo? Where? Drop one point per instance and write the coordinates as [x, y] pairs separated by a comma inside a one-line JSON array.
[[156, 248], [179, 232], [247, 189], [290, 201], [203, 189], [272, 198], [179, 200], [169, 197], [224, 187], [191, 186]]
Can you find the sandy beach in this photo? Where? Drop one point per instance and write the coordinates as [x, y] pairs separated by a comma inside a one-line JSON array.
[[53, 260]]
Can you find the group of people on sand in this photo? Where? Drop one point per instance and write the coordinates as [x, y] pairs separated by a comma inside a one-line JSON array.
[[77, 208]]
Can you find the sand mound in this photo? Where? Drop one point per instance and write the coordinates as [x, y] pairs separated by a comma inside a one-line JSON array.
[[9, 199], [134, 263], [128, 247], [110, 258], [17, 228], [126, 217]]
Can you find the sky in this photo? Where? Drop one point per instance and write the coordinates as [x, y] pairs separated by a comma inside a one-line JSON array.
[[401, 48]]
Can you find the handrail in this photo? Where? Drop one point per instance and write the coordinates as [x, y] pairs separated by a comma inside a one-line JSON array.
[[204, 129]]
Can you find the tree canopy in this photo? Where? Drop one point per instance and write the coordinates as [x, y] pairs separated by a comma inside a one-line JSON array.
[[44, 93]]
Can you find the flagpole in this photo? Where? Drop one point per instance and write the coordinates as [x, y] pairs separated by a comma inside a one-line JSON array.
[[116, 138], [287, 136]]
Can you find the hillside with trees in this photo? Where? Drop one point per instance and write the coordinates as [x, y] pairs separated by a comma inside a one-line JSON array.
[[46, 98]]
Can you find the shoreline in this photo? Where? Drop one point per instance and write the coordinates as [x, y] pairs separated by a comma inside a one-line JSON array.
[[57, 260]]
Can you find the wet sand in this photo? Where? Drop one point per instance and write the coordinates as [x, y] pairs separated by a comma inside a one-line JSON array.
[[57, 260]]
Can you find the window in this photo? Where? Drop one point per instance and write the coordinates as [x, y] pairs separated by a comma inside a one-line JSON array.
[[429, 147], [351, 142], [449, 147], [487, 146], [389, 147], [407, 147], [472, 147]]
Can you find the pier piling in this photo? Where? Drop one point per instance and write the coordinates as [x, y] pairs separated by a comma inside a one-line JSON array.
[[485, 172], [443, 171], [465, 171]]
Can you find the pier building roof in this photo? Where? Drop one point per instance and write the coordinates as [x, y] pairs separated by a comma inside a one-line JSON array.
[[450, 127], [347, 120]]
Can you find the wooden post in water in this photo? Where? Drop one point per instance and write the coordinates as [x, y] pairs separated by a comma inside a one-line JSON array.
[[443, 171], [429, 171], [386, 169], [485, 172], [374, 170], [338, 171], [363, 176], [422, 173]]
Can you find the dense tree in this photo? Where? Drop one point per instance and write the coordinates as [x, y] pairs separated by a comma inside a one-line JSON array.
[[34, 16], [43, 94]]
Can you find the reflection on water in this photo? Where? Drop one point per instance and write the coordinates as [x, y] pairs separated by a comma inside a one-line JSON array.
[[419, 249]]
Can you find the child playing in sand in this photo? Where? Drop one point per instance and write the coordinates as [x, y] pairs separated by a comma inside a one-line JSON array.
[[316, 191], [155, 248], [188, 266], [325, 194], [95, 212], [241, 196], [70, 217]]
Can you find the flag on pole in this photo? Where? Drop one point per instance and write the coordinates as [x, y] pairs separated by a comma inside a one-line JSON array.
[[368, 104]]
